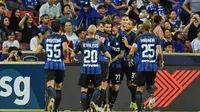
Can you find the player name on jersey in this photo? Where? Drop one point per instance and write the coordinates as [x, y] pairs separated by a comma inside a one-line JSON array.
[[147, 40], [54, 40], [91, 45]]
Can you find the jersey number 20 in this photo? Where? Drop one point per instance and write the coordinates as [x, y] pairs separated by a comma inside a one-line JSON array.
[[90, 56], [149, 51]]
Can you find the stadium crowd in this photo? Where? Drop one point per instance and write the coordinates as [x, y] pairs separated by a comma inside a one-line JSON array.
[[24, 23]]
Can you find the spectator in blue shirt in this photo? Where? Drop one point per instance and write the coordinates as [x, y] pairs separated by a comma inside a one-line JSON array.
[[87, 16], [30, 4], [66, 12], [44, 23], [110, 9], [178, 42], [119, 4], [78, 4], [173, 20], [155, 6]]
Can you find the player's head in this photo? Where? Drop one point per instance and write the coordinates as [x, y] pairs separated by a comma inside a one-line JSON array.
[[124, 20], [146, 26], [130, 25], [115, 30], [108, 27], [55, 26], [100, 26], [91, 30]]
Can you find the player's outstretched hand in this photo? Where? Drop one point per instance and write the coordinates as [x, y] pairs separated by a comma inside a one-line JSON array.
[[73, 60]]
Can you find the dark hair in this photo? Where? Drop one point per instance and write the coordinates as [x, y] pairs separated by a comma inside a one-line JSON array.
[[100, 22], [79, 31], [130, 2], [10, 49], [62, 9], [124, 15], [2, 5], [56, 25], [133, 21], [9, 32], [198, 30], [167, 44], [157, 19], [101, 6], [108, 22], [2, 20]]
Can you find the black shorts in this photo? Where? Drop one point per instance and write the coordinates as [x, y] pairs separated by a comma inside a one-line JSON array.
[[89, 79], [130, 72], [115, 76], [104, 70], [57, 75], [143, 78]]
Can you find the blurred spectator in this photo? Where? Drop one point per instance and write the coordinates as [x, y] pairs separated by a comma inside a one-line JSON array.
[[2, 11], [143, 14], [42, 2], [36, 40], [192, 6], [78, 4], [94, 4], [169, 26], [192, 27], [196, 43], [119, 5], [87, 16], [28, 29], [132, 11], [81, 33], [14, 54], [66, 11], [178, 42], [173, 20], [110, 9], [168, 47], [158, 30], [101, 10], [155, 6], [62, 5], [116, 20], [44, 23], [31, 4], [5, 22], [50, 9], [15, 19], [11, 42], [68, 32], [187, 46], [13, 4], [168, 36]]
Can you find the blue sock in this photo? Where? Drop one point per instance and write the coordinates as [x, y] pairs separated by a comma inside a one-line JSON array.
[[139, 100], [95, 96], [84, 100]]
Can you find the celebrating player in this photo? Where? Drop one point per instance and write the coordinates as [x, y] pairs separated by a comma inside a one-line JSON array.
[[115, 71], [91, 69], [56, 49], [148, 47]]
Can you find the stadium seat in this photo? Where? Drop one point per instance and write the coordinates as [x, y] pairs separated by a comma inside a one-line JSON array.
[[24, 46], [9, 13]]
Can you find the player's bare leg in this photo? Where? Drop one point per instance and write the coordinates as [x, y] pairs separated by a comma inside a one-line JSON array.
[[51, 94], [139, 97], [58, 88]]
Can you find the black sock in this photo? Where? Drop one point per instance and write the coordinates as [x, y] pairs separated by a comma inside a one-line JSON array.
[[133, 92], [96, 95], [51, 92], [90, 92], [104, 97], [114, 98], [109, 94], [139, 100], [150, 89], [58, 98], [84, 100], [101, 99]]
